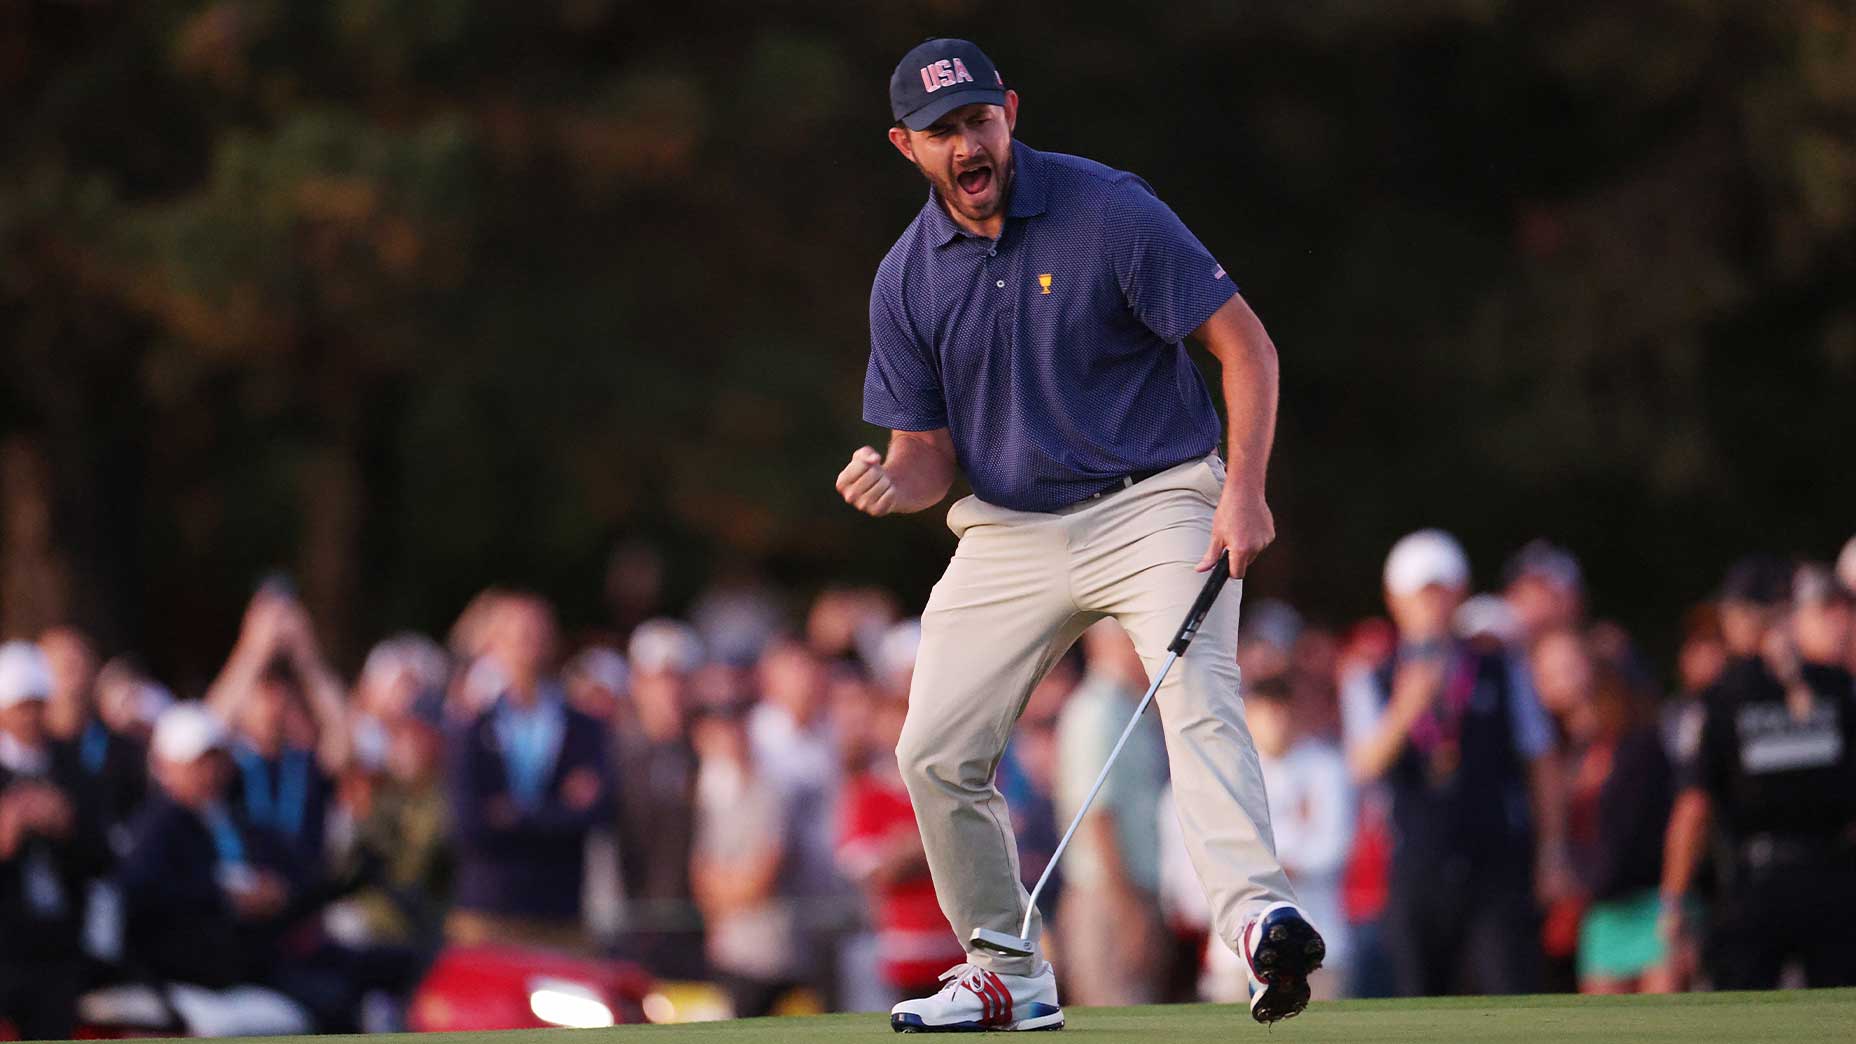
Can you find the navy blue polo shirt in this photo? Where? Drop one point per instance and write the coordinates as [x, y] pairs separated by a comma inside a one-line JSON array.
[[1052, 355]]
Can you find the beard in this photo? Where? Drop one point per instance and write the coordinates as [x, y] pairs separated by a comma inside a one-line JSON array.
[[989, 203]]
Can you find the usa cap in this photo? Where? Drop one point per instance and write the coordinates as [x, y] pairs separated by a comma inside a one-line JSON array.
[[940, 76]]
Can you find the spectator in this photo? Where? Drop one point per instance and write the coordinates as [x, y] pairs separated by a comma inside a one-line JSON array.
[[1109, 918], [1777, 772], [114, 748], [1465, 752], [1311, 813], [290, 729], [1700, 659], [71, 712], [207, 892], [401, 821], [597, 680], [1822, 619], [656, 806], [1545, 589], [1563, 672], [529, 780], [880, 848], [740, 851], [795, 753], [849, 622], [50, 845], [1622, 789]]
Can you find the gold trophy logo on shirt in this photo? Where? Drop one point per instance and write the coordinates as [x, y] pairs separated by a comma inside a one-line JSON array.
[[1044, 282]]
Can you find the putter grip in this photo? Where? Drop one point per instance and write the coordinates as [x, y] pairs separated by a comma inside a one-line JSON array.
[[1202, 605]]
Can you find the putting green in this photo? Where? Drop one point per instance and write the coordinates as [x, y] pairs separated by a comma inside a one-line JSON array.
[[1743, 1018]]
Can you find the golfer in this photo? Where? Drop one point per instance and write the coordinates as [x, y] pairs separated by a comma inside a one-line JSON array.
[[1027, 330]]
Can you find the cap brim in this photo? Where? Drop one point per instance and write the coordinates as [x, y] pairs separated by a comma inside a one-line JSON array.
[[943, 103]]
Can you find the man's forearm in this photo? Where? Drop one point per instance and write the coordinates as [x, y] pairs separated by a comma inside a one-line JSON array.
[[920, 469], [1683, 844], [1250, 374]]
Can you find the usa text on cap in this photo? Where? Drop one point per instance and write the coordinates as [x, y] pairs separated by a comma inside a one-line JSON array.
[[940, 76]]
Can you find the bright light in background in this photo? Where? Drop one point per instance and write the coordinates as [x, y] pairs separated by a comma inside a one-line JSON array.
[[562, 1003]]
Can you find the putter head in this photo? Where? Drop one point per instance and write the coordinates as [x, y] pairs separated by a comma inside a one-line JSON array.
[[1002, 943]]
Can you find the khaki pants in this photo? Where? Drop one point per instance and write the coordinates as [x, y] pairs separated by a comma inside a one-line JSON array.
[[1021, 588]]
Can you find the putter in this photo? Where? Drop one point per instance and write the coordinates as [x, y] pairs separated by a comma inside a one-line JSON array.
[[1022, 945]]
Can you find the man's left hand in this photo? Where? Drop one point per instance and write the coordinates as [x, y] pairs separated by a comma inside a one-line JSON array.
[[1242, 526]]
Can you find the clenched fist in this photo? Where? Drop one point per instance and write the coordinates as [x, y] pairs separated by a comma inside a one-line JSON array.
[[865, 485]]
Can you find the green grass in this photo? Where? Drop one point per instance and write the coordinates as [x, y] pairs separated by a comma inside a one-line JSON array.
[[1743, 1018]]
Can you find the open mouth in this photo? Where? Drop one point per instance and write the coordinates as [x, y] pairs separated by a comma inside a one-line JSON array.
[[976, 181]]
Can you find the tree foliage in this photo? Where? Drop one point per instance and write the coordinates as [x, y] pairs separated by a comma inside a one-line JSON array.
[[411, 297]]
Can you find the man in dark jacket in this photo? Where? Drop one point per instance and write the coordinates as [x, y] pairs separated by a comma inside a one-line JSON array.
[[206, 892], [1776, 776], [529, 780], [1465, 751], [50, 846]]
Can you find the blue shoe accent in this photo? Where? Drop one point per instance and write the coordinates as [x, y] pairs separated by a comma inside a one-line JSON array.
[[1037, 1010]]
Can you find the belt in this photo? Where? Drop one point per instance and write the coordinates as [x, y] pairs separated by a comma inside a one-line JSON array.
[[1127, 482]]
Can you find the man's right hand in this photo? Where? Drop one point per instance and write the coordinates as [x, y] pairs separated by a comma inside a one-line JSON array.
[[865, 485]]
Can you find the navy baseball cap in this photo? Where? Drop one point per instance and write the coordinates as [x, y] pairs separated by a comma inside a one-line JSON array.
[[940, 76]]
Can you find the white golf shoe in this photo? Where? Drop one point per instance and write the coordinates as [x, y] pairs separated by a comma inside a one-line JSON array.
[[1280, 950], [975, 1000]]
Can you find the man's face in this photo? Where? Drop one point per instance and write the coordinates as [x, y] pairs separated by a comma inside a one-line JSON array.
[[967, 156], [193, 784], [1425, 614]]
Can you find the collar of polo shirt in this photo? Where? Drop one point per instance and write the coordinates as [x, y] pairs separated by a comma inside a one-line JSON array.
[[1028, 192]]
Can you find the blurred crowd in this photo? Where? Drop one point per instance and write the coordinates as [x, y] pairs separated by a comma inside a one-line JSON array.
[[1488, 792]]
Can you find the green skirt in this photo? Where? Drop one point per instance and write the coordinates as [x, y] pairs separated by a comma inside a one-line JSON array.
[[1618, 938]]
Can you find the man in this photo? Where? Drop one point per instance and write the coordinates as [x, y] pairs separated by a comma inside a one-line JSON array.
[[1109, 919], [1823, 616], [1777, 771], [795, 754], [1028, 331], [286, 708], [1465, 751], [529, 780], [208, 893], [50, 844], [656, 792], [1545, 589]]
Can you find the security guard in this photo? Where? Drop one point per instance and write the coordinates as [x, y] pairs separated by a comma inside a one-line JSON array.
[[1776, 772]]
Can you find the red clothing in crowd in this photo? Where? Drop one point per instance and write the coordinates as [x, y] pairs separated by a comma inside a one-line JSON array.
[[914, 942]]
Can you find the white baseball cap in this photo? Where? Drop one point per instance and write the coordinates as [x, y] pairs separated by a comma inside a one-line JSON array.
[[185, 732], [603, 666], [1424, 558], [664, 645], [24, 674]]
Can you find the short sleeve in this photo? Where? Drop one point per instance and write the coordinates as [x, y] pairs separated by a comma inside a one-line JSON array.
[[1171, 282], [902, 388]]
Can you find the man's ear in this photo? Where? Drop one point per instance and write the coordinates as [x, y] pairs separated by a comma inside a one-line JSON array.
[[1011, 110], [899, 137]]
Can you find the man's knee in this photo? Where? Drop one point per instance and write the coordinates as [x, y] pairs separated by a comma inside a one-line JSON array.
[[930, 761]]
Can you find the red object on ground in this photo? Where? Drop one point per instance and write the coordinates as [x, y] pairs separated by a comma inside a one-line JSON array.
[[489, 988]]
